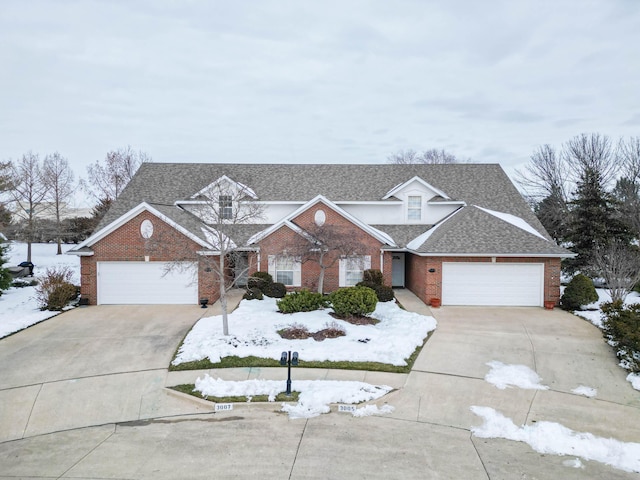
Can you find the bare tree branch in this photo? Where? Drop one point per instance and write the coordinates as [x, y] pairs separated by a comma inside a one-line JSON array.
[[591, 152], [619, 265], [545, 175], [109, 177], [59, 179], [629, 154], [431, 156]]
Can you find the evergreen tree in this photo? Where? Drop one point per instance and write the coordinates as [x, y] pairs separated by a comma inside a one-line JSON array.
[[552, 212], [5, 276], [594, 221]]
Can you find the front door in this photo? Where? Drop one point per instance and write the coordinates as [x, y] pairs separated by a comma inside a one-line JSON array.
[[397, 270]]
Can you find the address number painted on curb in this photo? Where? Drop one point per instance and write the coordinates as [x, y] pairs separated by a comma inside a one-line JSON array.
[[347, 408], [223, 407]]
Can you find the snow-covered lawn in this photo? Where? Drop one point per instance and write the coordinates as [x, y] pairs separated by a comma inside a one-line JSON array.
[[18, 307], [254, 327], [593, 314]]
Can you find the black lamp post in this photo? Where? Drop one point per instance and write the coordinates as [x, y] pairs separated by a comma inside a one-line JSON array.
[[288, 359]]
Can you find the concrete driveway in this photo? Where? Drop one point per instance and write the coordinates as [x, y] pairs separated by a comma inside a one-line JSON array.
[[155, 435]]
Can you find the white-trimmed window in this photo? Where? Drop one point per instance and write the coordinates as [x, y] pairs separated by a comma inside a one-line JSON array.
[[414, 207], [225, 205], [352, 268], [285, 269]]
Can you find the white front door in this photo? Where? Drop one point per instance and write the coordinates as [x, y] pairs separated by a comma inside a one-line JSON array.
[[146, 283], [397, 270], [500, 284]]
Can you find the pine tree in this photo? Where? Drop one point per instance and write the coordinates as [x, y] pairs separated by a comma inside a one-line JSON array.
[[5, 277], [593, 222]]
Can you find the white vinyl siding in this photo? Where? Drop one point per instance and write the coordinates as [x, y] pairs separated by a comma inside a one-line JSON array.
[[146, 283], [499, 284], [285, 270], [414, 207], [351, 270]]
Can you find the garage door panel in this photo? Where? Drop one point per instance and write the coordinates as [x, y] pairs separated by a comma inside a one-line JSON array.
[[508, 284], [146, 283]]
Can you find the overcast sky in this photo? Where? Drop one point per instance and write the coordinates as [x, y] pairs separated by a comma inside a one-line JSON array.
[[314, 81]]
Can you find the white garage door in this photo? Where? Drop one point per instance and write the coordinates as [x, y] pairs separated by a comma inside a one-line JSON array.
[[505, 284], [145, 283]]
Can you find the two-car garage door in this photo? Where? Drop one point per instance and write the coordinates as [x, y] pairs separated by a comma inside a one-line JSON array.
[[146, 283], [483, 283]]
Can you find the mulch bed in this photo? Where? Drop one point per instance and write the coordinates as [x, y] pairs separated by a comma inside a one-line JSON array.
[[357, 319]]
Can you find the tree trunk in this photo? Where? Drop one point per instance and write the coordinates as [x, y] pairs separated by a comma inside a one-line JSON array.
[[58, 233], [223, 298], [29, 250]]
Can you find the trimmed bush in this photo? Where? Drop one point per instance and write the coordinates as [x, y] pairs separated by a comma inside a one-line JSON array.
[[260, 280], [622, 330], [350, 301], [295, 331], [302, 301], [275, 290], [384, 293], [253, 294], [373, 276], [580, 291]]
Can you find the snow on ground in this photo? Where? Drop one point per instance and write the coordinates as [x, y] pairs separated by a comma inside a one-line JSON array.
[[586, 391], [254, 326], [504, 376], [18, 307], [554, 438], [593, 314], [315, 396]]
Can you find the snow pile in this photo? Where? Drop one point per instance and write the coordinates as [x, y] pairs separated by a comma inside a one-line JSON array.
[[18, 307], [315, 396], [586, 391], [634, 378], [504, 376], [254, 327], [553, 438]]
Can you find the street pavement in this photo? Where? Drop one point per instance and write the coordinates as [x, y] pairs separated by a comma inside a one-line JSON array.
[[83, 396]]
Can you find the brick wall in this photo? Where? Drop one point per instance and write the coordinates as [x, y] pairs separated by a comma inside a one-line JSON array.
[[428, 285], [285, 237], [127, 244]]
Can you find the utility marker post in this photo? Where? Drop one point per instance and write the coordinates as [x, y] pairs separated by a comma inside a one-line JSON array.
[[288, 359]]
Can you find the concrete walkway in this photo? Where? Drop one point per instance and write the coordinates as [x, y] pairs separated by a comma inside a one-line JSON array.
[[135, 428]]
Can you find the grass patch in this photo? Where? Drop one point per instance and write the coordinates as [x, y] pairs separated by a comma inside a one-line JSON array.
[[188, 388], [247, 362]]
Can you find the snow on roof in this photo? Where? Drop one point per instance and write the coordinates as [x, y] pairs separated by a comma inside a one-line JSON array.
[[513, 220]]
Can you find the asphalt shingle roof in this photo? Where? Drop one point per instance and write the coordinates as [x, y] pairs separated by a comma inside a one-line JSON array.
[[486, 185]]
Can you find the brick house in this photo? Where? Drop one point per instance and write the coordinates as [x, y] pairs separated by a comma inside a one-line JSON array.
[[460, 233]]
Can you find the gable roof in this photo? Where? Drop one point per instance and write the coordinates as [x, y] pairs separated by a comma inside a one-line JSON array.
[[165, 185], [397, 188], [374, 232], [475, 231]]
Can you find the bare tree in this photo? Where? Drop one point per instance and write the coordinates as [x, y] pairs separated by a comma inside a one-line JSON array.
[[325, 245], [59, 179], [629, 153], [404, 157], [109, 177], [619, 265], [28, 192], [546, 174], [591, 152], [431, 156], [225, 208]]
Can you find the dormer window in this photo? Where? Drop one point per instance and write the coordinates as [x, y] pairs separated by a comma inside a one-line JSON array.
[[414, 207], [225, 205]]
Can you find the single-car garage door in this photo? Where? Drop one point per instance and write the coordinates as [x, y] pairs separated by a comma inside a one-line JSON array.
[[503, 284], [145, 283]]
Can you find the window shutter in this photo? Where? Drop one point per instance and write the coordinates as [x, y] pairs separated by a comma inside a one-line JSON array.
[[297, 272], [272, 266], [342, 276], [367, 262]]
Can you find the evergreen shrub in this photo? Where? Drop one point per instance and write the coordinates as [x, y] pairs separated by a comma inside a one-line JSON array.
[[253, 293], [260, 280], [351, 301], [302, 301], [580, 291], [373, 276], [622, 330], [275, 290]]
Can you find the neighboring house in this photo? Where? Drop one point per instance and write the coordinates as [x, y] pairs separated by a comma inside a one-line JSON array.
[[460, 233]]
